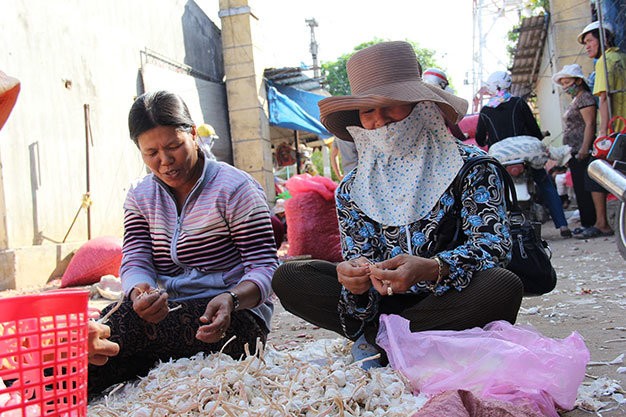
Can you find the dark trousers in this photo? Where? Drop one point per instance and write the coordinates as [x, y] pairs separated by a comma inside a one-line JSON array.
[[143, 344], [549, 196], [583, 196], [310, 290]]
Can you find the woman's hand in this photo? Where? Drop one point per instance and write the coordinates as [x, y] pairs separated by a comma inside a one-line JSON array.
[[149, 303], [401, 273], [581, 155], [216, 319], [354, 275]]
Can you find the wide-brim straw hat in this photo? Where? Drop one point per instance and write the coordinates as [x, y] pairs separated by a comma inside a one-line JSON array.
[[569, 71], [383, 75], [9, 89]]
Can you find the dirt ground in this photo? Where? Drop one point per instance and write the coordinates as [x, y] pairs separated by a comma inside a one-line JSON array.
[[590, 298]]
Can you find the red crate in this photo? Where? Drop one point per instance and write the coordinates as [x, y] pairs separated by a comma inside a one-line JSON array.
[[43, 354]]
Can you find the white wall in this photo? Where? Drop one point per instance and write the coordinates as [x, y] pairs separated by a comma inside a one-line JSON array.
[[96, 46], [548, 96]]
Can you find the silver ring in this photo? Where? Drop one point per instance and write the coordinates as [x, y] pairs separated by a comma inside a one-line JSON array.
[[389, 290]]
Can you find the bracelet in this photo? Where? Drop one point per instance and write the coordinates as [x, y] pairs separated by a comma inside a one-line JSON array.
[[235, 298], [439, 271]]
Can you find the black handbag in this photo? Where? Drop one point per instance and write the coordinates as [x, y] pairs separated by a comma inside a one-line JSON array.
[[531, 254]]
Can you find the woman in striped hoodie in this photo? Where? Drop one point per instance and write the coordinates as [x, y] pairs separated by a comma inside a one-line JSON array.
[[198, 254]]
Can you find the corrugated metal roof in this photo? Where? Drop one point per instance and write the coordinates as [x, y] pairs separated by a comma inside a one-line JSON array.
[[291, 77], [528, 52]]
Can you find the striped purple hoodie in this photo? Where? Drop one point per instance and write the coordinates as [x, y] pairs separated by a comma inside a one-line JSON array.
[[223, 235]]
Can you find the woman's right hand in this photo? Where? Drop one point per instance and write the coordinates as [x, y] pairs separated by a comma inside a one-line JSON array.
[[354, 275], [149, 303]]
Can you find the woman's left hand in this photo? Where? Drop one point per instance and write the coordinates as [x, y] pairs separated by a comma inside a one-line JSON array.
[[216, 318], [401, 273]]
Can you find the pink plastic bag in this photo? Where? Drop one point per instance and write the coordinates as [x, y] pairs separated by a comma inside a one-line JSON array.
[[503, 362], [305, 182]]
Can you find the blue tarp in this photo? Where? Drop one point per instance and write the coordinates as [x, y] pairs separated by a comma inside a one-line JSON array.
[[295, 109]]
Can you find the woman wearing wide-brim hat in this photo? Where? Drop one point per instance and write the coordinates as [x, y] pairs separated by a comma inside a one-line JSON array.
[[579, 121], [390, 208]]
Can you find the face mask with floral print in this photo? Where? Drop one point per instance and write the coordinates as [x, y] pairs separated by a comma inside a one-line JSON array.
[[572, 90]]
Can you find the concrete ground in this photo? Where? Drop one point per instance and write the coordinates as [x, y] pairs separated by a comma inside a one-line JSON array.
[[590, 298]]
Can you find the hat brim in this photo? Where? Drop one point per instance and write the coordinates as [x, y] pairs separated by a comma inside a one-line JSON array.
[[560, 75], [9, 90], [337, 113]]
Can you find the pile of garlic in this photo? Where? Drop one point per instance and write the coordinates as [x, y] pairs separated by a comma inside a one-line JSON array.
[[318, 380]]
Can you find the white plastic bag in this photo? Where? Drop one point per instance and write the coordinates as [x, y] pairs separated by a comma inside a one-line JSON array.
[[531, 150]]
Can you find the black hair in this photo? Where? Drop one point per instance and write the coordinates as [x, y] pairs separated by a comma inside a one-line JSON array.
[[584, 85], [609, 39], [158, 108]]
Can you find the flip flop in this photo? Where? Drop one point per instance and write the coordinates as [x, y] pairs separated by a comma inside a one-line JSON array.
[[591, 232], [578, 230]]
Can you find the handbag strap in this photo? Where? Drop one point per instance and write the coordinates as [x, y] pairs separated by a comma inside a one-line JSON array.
[[449, 238], [510, 195]]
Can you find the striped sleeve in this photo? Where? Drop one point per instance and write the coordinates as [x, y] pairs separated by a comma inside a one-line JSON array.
[[137, 264], [250, 226]]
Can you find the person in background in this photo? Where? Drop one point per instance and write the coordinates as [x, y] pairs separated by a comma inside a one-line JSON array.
[[346, 152], [613, 89], [389, 221], [279, 212], [506, 116], [198, 251], [279, 223], [206, 139], [579, 121], [439, 78]]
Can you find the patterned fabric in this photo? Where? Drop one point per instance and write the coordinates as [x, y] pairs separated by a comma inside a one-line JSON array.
[[143, 344], [223, 235], [484, 222], [574, 132], [531, 150], [502, 96], [404, 167], [616, 62]]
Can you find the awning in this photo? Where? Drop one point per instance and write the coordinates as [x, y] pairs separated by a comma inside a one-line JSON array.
[[295, 109]]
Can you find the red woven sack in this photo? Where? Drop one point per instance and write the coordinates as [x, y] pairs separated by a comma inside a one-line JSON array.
[[98, 257], [312, 226]]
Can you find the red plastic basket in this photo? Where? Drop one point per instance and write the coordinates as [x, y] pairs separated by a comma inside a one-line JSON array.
[[43, 354]]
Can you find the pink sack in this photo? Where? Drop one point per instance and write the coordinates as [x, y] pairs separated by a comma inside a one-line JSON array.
[[312, 226], [503, 362], [308, 183], [97, 257]]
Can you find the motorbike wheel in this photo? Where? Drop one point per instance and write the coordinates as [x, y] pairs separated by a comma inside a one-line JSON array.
[[621, 232]]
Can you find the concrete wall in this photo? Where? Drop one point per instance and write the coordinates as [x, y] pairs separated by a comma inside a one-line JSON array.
[[67, 54], [568, 18], [548, 95]]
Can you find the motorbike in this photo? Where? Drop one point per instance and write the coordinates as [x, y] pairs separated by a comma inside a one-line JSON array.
[[611, 174]]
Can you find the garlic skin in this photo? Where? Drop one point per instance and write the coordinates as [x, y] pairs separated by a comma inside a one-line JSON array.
[[316, 380]]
